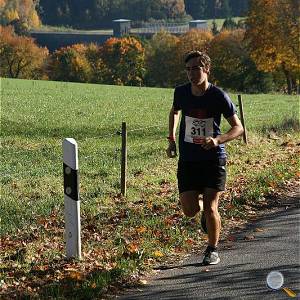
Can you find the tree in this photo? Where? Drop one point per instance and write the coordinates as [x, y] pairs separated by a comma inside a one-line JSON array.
[[195, 8], [229, 24], [23, 11], [195, 39], [125, 61], [214, 28], [100, 13], [227, 56], [225, 10], [210, 9], [97, 65], [273, 37], [70, 64], [173, 9], [232, 67], [20, 57], [161, 60], [239, 8]]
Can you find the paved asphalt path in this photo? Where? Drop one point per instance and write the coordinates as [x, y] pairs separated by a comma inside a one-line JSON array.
[[244, 266]]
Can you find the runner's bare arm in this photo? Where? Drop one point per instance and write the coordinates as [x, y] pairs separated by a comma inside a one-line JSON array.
[[235, 130], [173, 122]]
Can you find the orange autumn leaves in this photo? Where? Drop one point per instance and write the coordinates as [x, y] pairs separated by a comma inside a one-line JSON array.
[[20, 57], [117, 61], [272, 34], [20, 10]]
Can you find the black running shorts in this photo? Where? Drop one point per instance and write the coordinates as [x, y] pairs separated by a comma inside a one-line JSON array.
[[195, 176]]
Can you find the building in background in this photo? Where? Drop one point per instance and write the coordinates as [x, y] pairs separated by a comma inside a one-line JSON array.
[[54, 40]]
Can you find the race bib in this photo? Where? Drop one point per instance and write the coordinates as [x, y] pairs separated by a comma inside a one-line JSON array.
[[196, 128]]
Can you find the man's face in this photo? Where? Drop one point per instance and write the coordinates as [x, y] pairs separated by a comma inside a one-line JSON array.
[[196, 72]]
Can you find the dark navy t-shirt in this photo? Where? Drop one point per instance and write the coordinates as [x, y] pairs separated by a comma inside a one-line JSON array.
[[201, 116]]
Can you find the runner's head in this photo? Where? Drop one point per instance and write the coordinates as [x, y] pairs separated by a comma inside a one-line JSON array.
[[202, 58], [197, 66]]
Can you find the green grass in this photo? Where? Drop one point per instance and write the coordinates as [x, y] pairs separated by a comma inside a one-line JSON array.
[[120, 236], [38, 115]]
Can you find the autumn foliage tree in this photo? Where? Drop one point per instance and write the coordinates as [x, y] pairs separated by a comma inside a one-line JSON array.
[[161, 60], [228, 55], [195, 39], [273, 30], [124, 59], [232, 67], [20, 57], [98, 68], [20, 12], [70, 64]]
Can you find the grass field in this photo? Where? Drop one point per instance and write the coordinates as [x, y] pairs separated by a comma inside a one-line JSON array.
[[121, 236]]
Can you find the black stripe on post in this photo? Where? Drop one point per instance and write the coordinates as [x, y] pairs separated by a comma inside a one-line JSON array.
[[124, 159], [71, 182]]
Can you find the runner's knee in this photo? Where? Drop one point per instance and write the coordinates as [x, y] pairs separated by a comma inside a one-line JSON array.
[[211, 210], [190, 203], [190, 212]]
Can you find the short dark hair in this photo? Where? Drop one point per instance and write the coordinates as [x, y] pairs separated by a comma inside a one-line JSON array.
[[204, 58]]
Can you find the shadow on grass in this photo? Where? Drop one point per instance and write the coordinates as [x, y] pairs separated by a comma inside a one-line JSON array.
[[285, 125]]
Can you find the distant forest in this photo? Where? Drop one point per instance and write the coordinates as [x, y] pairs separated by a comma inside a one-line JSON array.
[[93, 14]]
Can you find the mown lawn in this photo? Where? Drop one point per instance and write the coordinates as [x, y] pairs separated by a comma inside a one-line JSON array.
[[120, 236]]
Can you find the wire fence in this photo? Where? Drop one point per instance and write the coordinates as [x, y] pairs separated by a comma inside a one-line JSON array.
[[154, 28], [21, 165], [111, 152]]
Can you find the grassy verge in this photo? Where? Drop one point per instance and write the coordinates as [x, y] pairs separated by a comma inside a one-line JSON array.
[[121, 237]]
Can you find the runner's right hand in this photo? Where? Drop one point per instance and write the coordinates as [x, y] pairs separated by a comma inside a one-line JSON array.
[[171, 150]]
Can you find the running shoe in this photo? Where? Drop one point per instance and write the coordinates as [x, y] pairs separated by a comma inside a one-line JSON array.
[[211, 256]]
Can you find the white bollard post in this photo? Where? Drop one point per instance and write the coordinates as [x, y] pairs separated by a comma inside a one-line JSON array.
[[72, 202]]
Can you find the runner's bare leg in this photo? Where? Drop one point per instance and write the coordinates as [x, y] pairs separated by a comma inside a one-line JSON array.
[[212, 216]]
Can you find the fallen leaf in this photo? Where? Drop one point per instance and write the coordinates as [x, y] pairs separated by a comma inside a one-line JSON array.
[[141, 229], [132, 248], [142, 281], [190, 241], [231, 238], [158, 254], [75, 275]]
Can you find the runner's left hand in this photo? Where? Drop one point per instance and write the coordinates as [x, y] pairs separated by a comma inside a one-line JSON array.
[[208, 143]]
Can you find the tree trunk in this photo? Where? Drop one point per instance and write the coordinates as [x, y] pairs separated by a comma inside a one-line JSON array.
[[288, 79]]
